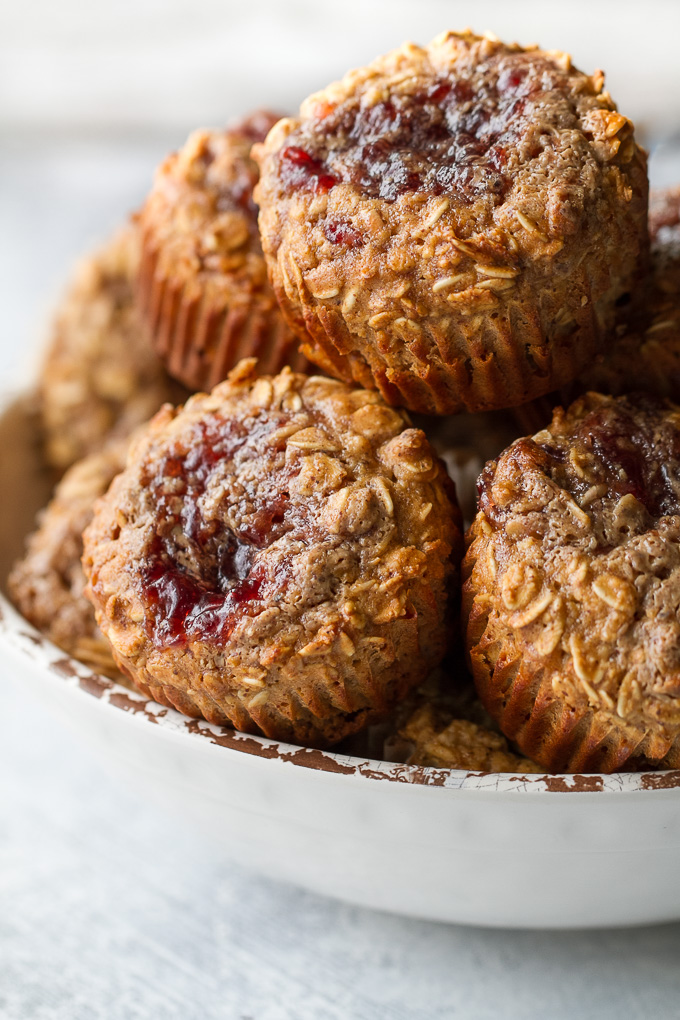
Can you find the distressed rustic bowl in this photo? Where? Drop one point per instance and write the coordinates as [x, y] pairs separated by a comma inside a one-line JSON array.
[[475, 848]]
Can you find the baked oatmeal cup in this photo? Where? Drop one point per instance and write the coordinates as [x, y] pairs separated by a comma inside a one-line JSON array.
[[572, 587], [47, 584], [644, 353], [455, 224], [279, 555], [203, 287], [100, 374]]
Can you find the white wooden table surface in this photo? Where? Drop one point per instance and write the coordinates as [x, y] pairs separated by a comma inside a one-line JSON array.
[[112, 910]]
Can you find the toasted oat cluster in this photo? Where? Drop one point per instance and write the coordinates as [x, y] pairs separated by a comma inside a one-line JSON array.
[[573, 583], [278, 555], [203, 287], [100, 372], [47, 584], [438, 740], [442, 724], [454, 224]]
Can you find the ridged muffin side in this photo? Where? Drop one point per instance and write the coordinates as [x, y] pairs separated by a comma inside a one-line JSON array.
[[202, 286], [571, 588], [454, 224], [100, 375]]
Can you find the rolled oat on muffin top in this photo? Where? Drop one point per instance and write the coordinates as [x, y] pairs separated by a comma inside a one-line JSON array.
[[453, 225], [572, 587], [203, 287], [279, 555]]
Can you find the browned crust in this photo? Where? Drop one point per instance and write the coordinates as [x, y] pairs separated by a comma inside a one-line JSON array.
[[644, 355], [47, 584], [560, 640], [528, 326], [100, 374], [317, 673], [202, 285]]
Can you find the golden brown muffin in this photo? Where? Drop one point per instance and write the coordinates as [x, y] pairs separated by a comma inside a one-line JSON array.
[[47, 584], [203, 287], [454, 225], [278, 555], [645, 355], [573, 585], [465, 442], [100, 372]]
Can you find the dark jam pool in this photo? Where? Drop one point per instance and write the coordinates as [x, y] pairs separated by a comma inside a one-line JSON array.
[[207, 604], [454, 136], [635, 452], [629, 446]]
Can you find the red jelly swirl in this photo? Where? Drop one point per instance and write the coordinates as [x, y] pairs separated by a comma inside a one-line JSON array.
[[453, 136], [205, 603]]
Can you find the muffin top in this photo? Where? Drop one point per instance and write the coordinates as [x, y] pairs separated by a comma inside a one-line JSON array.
[[453, 224], [486, 135], [576, 545], [466, 117], [267, 524], [200, 214]]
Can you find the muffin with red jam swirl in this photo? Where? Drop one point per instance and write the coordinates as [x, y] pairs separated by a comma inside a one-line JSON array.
[[572, 587], [454, 225], [278, 555], [203, 287]]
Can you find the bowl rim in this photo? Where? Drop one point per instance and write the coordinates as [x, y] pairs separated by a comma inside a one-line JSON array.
[[19, 636]]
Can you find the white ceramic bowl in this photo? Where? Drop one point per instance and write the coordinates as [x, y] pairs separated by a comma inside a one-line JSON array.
[[503, 850]]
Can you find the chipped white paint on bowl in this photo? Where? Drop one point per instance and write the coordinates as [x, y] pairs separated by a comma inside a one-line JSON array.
[[510, 850]]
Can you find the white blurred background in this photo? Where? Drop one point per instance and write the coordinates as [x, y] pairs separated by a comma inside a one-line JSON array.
[[93, 93], [172, 64]]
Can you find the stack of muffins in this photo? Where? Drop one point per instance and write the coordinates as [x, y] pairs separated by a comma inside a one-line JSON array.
[[459, 232]]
